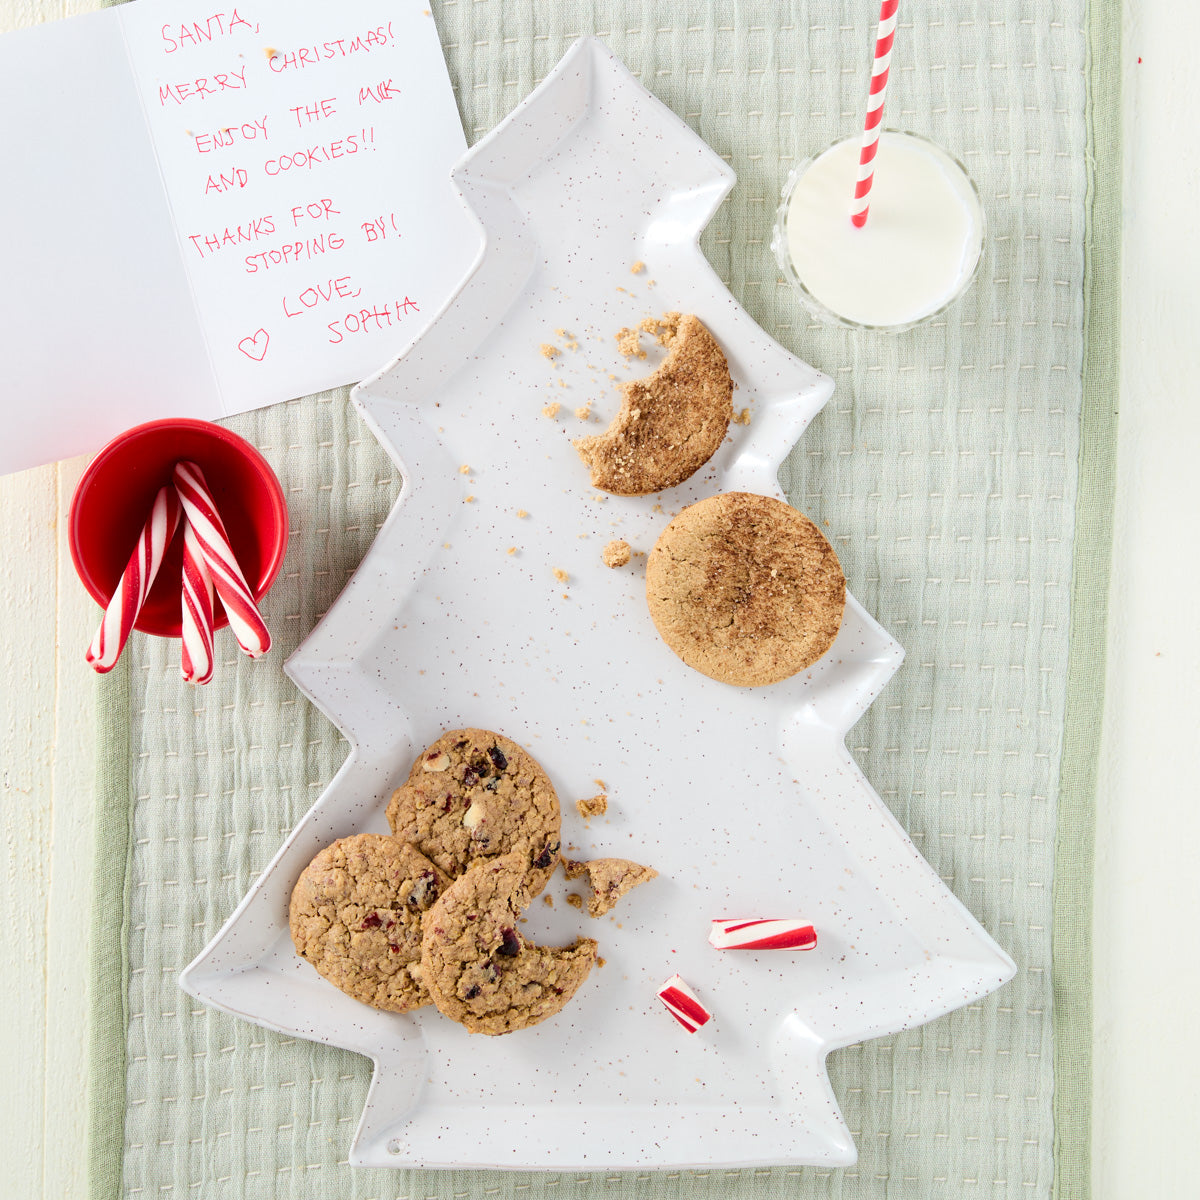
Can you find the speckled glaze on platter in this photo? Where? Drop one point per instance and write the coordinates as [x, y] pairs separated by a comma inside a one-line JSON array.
[[746, 801]]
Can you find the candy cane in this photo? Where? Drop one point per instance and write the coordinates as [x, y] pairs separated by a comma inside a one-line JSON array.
[[760, 934], [131, 593], [683, 1004], [244, 618], [871, 128], [197, 651]]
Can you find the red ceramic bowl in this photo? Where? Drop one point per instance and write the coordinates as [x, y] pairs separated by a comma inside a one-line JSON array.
[[118, 487]]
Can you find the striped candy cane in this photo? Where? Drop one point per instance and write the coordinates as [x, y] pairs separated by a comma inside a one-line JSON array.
[[759, 933], [683, 1004], [244, 618], [196, 659], [870, 142], [131, 593]]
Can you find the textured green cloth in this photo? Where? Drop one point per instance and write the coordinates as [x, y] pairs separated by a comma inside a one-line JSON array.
[[971, 518]]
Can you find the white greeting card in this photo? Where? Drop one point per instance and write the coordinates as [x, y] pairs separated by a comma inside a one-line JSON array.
[[208, 211]]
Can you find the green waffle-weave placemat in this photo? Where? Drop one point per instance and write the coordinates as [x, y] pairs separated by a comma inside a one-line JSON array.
[[965, 472]]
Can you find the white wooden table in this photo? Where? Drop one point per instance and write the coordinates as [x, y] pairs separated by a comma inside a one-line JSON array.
[[1147, 1043]]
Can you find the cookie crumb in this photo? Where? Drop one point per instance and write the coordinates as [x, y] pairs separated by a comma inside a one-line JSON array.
[[522, 513], [584, 411], [637, 268], [511, 550], [742, 418], [465, 469], [601, 784], [628, 343], [616, 553], [574, 899], [593, 806], [549, 351], [601, 962], [551, 409], [468, 499], [548, 900], [561, 575]]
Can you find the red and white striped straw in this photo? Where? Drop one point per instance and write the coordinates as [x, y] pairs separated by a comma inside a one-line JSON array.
[[870, 142], [244, 618], [134, 586]]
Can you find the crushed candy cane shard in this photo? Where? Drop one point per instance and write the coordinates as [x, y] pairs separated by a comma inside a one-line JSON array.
[[758, 933], [244, 618], [683, 1004], [126, 602], [196, 659]]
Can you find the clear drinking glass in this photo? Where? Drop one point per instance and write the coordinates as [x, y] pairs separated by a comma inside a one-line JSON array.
[[917, 253]]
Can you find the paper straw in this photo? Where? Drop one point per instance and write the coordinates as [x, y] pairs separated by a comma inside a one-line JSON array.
[[871, 129], [134, 587]]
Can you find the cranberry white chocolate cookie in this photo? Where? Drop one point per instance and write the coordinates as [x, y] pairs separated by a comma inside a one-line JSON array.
[[745, 589], [356, 916], [671, 422], [479, 969], [475, 795]]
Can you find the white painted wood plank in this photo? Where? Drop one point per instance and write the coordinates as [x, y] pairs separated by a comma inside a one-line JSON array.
[[71, 840], [28, 509]]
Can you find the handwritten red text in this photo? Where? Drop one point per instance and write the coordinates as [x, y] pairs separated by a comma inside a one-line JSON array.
[[310, 56], [194, 33], [314, 156], [305, 114], [369, 320], [221, 182], [209, 243], [290, 252], [206, 143], [318, 210], [377, 228], [202, 88], [321, 293], [378, 92]]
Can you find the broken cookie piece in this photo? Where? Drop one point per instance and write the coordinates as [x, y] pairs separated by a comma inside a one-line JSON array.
[[671, 422], [593, 806], [609, 879], [616, 553]]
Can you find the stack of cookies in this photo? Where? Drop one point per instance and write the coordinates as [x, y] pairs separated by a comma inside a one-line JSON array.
[[430, 914]]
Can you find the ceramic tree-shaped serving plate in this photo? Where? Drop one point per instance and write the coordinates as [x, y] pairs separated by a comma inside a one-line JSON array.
[[484, 602]]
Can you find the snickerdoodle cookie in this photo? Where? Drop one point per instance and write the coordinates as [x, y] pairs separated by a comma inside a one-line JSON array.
[[670, 422], [745, 589]]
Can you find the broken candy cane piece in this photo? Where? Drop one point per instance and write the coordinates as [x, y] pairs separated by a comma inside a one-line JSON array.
[[683, 1004], [244, 618], [134, 585], [757, 933], [196, 660]]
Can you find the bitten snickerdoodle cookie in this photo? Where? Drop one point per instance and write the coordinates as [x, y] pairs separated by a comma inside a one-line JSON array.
[[745, 589], [356, 916], [479, 970], [671, 422], [476, 795]]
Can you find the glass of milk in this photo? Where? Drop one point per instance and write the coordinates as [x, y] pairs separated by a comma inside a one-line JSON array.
[[916, 254]]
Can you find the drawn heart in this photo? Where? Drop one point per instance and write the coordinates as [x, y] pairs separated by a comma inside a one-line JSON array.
[[255, 347]]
